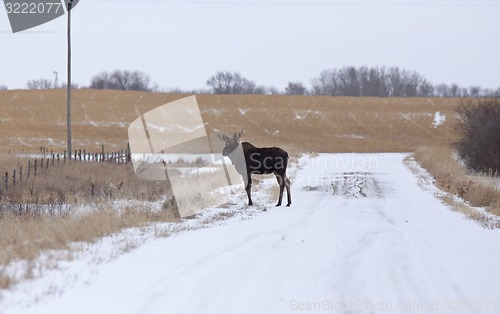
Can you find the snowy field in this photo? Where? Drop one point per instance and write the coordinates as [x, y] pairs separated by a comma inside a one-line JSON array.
[[364, 234]]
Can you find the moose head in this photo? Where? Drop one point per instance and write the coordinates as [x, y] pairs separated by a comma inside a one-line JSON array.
[[230, 143]]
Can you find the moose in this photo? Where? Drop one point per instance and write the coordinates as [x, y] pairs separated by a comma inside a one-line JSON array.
[[249, 160]]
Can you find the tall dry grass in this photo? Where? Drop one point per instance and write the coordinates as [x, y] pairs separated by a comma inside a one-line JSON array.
[[452, 176], [25, 237], [76, 183], [75, 202]]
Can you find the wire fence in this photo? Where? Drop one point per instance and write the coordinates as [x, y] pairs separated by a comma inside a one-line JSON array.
[[36, 166]]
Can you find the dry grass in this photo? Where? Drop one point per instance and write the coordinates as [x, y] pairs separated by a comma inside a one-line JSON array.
[[478, 216], [24, 237], [453, 177], [35, 118], [78, 183], [38, 233], [75, 202]]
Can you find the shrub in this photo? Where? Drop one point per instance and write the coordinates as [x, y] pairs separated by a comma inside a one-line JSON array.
[[478, 125]]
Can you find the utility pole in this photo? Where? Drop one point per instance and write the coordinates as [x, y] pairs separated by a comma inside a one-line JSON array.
[[70, 2]]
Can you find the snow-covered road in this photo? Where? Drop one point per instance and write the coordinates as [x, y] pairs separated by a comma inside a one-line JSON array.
[[360, 237]]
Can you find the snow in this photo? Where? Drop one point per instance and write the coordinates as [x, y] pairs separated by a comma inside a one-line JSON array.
[[243, 111], [172, 158], [300, 115], [361, 236], [354, 136], [438, 119]]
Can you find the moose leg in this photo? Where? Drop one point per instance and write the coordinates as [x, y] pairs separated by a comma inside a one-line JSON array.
[[287, 184], [281, 183], [248, 189]]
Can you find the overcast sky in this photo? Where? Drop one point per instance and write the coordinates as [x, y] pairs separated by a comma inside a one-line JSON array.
[[182, 43]]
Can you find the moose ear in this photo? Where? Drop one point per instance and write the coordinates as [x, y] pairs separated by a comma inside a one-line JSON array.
[[239, 135], [236, 137]]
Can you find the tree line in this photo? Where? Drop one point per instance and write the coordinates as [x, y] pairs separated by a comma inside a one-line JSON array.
[[345, 81]]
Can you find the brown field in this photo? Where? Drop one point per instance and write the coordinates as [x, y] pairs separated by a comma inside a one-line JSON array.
[[31, 119]]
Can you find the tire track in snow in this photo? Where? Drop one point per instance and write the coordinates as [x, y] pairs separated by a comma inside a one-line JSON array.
[[390, 260]]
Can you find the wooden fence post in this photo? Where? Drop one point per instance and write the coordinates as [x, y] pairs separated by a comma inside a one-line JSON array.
[[21, 173], [34, 168], [14, 177], [129, 154], [29, 168], [6, 181]]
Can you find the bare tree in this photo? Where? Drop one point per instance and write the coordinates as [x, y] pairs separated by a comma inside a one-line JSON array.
[[454, 90], [122, 80], [373, 81], [225, 82], [349, 81], [497, 93], [474, 91], [425, 89], [442, 90], [395, 82], [326, 84], [74, 85], [3, 87], [295, 88], [100, 81], [40, 84], [262, 90], [272, 91]]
